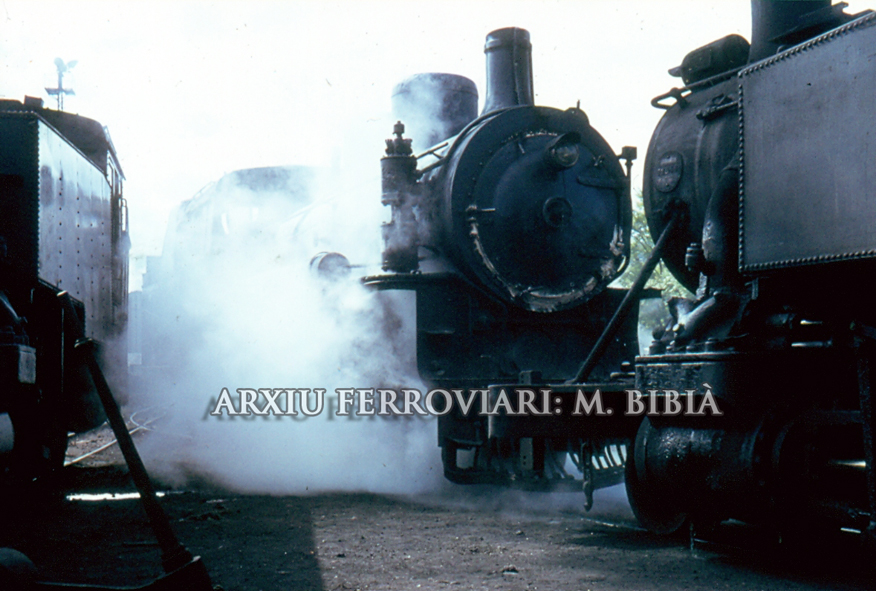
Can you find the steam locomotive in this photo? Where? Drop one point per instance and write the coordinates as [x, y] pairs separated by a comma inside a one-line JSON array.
[[760, 161], [758, 195], [63, 230], [510, 232]]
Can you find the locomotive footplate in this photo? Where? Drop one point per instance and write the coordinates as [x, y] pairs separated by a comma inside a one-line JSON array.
[[797, 375]]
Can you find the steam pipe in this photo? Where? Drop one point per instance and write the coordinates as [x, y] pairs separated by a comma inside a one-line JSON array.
[[509, 70]]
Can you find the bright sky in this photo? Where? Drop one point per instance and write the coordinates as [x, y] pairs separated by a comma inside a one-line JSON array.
[[191, 90]]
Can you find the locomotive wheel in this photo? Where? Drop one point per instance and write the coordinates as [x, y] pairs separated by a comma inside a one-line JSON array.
[[653, 511]]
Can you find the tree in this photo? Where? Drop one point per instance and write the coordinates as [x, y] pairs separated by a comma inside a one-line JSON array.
[[653, 314]]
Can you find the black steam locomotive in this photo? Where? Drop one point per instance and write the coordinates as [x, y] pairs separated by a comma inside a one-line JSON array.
[[63, 228], [761, 162], [510, 232], [758, 193]]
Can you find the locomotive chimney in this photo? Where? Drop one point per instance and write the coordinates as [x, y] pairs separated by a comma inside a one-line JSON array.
[[771, 19], [509, 69]]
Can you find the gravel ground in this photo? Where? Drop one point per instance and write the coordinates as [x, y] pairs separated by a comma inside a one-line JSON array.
[[467, 538]]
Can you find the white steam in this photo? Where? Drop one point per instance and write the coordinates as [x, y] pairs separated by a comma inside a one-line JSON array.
[[236, 306]]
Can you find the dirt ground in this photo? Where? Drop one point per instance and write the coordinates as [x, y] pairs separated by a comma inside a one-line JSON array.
[[464, 538]]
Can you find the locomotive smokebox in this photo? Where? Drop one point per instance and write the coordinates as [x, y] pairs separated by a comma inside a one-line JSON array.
[[509, 70], [434, 106]]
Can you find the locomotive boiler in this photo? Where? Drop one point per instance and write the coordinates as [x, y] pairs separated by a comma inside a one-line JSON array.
[[509, 226], [63, 228]]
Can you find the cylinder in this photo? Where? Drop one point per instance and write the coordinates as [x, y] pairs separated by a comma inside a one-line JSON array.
[[434, 106], [509, 70]]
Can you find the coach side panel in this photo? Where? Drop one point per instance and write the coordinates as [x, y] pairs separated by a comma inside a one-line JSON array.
[[75, 229]]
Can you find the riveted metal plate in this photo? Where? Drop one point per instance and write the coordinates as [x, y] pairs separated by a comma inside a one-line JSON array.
[[808, 144]]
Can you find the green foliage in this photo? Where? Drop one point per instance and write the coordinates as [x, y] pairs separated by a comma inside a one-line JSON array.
[[652, 314]]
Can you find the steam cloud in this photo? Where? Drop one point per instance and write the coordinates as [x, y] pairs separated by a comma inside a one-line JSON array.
[[233, 304]]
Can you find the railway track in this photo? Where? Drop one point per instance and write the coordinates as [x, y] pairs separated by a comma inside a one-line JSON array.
[[88, 445]]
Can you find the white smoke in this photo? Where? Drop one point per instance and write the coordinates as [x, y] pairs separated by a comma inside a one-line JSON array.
[[240, 308], [429, 110]]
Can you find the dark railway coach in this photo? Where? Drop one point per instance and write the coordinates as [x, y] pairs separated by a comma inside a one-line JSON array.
[[63, 228]]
